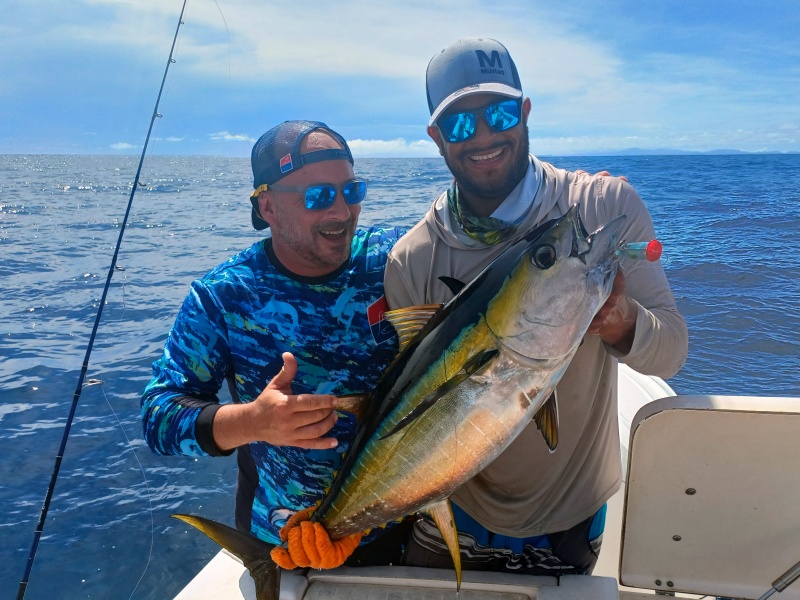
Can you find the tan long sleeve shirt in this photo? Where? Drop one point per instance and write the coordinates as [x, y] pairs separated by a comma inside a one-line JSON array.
[[527, 490]]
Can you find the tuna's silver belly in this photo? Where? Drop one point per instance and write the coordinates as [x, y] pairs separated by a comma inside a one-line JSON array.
[[447, 445]]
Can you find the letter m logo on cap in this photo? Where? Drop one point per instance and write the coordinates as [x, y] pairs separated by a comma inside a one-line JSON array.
[[494, 61], [286, 163]]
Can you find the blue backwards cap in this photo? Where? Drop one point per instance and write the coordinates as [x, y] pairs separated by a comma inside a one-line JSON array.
[[277, 153]]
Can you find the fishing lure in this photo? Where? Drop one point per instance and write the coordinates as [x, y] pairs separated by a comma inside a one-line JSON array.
[[650, 251]]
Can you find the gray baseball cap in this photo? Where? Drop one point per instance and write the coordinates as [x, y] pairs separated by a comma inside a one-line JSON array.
[[470, 66]]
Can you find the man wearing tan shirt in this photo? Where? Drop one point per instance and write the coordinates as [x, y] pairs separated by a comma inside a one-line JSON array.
[[530, 511]]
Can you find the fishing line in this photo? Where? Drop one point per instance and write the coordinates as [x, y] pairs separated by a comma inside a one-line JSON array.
[[230, 97], [230, 94], [79, 387], [146, 486]]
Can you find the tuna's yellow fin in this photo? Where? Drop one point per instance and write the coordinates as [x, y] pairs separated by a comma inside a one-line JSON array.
[[546, 420], [408, 321], [352, 403], [253, 552], [442, 514]]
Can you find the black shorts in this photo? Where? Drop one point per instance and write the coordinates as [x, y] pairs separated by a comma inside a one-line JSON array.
[[388, 549], [568, 552]]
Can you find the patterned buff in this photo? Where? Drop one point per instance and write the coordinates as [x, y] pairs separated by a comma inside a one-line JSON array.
[[488, 230]]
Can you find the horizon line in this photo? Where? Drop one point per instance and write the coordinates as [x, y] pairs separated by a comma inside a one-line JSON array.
[[587, 153]]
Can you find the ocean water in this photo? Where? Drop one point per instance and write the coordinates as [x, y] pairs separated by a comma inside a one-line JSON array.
[[729, 225]]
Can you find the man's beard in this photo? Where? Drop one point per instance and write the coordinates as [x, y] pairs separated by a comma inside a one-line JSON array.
[[491, 191], [306, 247]]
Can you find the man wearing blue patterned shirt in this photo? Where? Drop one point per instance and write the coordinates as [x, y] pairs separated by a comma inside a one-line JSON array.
[[288, 323]]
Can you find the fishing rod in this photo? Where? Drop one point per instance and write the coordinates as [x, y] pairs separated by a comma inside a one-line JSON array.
[[23, 586]]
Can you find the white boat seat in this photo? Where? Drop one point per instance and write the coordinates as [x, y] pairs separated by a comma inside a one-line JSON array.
[[407, 583], [712, 503], [224, 578]]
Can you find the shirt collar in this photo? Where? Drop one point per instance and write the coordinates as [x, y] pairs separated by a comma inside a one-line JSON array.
[[519, 201]]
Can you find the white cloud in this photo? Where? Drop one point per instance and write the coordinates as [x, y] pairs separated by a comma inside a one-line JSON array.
[[397, 148], [122, 146], [225, 136], [587, 85], [226, 40]]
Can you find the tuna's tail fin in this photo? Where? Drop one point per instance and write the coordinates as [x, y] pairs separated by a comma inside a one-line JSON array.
[[253, 552]]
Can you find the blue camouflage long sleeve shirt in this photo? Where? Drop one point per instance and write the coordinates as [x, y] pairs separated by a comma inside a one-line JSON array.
[[234, 325]]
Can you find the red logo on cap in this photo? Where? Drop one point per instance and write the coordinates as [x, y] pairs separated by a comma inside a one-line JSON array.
[[286, 163]]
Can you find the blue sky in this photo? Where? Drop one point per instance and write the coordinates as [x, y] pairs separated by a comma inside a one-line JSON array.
[[82, 76]]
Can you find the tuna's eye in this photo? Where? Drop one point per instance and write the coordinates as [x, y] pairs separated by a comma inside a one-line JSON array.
[[544, 256]]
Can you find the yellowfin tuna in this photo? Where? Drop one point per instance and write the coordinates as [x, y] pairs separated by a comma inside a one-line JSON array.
[[469, 378]]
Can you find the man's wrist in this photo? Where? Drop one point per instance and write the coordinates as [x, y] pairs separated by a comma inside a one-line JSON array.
[[230, 427], [204, 431], [621, 338]]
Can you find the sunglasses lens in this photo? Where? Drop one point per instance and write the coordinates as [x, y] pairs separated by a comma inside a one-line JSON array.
[[355, 191], [320, 197], [503, 115], [458, 127]]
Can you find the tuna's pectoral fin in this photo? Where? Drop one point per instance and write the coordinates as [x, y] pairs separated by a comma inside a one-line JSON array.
[[409, 320], [352, 403], [442, 515], [253, 552], [546, 420], [471, 367]]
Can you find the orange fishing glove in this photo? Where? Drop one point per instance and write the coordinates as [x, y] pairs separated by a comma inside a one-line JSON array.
[[309, 545]]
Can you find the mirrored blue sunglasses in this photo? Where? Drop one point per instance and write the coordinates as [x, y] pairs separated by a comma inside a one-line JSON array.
[[461, 126], [321, 196]]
